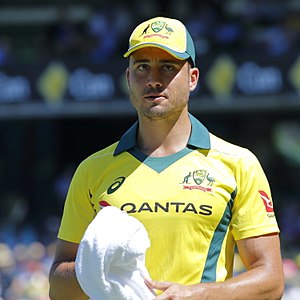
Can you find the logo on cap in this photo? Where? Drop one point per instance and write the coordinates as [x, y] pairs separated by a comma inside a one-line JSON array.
[[145, 30], [158, 26]]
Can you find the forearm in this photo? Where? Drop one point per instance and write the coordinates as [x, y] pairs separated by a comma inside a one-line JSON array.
[[254, 284], [64, 283], [264, 278], [251, 285]]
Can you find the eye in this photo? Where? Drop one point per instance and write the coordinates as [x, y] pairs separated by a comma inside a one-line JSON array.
[[169, 68], [142, 67]]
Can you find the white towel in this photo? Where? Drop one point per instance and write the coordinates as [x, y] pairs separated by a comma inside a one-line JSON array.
[[110, 262]]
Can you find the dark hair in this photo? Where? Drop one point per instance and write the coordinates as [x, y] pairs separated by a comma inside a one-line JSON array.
[[190, 61]]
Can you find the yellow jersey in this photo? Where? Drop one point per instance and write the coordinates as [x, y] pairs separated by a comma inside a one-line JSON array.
[[195, 204]]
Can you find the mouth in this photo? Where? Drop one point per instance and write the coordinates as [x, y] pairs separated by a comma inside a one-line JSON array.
[[154, 97]]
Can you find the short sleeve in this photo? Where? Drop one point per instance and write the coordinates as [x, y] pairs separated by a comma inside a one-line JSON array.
[[78, 210], [253, 212]]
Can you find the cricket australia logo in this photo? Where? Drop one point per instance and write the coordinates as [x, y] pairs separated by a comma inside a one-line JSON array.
[[198, 180], [158, 26]]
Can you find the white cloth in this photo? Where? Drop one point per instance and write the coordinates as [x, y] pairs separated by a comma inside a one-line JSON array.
[[110, 262]]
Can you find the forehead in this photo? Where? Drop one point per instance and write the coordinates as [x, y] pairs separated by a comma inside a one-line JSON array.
[[150, 53]]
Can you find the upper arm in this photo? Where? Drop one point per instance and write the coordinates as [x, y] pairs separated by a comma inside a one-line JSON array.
[[65, 251], [62, 276], [261, 251], [261, 256]]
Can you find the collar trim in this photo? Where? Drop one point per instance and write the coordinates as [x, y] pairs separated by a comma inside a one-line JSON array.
[[199, 138]]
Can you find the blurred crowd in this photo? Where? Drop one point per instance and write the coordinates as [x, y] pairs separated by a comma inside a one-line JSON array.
[[266, 27], [24, 270], [271, 27]]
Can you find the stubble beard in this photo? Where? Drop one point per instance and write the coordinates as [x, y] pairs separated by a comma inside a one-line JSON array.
[[156, 111], [148, 110]]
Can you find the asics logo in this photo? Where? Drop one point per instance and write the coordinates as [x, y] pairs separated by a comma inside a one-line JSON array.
[[115, 185]]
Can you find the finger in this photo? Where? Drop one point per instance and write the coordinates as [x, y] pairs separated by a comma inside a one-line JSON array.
[[158, 285], [147, 282]]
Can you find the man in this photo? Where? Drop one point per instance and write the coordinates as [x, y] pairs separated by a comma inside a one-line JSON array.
[[197, 195]]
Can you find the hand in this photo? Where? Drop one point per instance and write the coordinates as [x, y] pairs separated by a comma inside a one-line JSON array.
[[172, 291]]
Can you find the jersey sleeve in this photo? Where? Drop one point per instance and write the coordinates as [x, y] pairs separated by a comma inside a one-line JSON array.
[[253, 212], [78, 210]]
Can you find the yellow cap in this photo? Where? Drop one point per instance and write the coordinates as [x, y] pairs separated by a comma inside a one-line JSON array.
[[168, 34]]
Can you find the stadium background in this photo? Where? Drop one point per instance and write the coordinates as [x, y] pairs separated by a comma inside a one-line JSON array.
[[62, 97]]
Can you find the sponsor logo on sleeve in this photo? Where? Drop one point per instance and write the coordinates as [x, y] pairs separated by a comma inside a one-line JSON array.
[[267, 201]]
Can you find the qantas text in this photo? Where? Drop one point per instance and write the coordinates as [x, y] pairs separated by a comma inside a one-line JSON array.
[[178, 207]]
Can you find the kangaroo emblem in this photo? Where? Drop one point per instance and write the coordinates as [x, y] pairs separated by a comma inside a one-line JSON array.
[[145, 30], [186, 178]]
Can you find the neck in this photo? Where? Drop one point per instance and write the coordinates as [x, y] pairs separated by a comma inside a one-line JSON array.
[[162, 137]]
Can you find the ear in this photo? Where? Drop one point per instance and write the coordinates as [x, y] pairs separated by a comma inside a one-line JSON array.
[[194, 77], [127, 77]]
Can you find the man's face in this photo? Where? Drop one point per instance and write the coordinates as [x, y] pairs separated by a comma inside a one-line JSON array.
[[159, 84]]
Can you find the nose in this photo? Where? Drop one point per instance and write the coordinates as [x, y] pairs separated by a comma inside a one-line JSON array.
[[155, 78]]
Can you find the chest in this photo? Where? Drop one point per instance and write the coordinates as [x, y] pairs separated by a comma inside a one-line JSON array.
[[191, 189]]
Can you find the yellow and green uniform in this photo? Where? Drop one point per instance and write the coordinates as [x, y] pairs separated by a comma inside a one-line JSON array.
[[194, 204]]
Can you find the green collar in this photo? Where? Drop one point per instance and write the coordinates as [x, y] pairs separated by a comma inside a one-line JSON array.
[[199, 138]]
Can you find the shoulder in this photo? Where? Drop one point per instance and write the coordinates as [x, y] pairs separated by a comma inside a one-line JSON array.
[[101, 157], [230, 151], [103, 153], [242, 162]]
